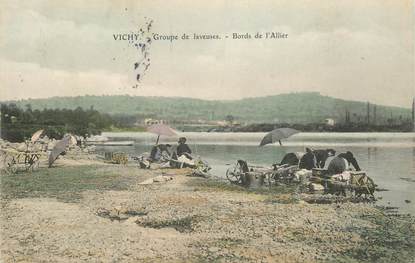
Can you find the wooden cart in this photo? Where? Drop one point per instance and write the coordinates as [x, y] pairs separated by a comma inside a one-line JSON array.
[[14, 160], [254, 175], [357, 184]]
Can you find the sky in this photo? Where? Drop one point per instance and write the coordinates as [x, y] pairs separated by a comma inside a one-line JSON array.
[[349, 49]]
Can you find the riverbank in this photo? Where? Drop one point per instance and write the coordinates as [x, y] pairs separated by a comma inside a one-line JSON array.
[[100, 212]]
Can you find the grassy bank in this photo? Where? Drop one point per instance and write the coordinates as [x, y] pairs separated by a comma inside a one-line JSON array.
[[391, 239], [66, 183]]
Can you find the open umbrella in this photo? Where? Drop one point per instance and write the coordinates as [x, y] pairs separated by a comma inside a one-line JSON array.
[[36, 135], [59, 148], [161, 129], [278, 135]]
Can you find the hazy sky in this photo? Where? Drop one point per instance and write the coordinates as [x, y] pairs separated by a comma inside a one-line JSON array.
[[351, 49]]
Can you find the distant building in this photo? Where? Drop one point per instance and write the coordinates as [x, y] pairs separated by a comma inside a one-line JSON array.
[[329, 122], [150, 121], [222, 123]]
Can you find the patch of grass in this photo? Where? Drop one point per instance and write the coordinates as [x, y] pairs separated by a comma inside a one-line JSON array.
[[392, 240], [283, 194], [63, 183], [214, 185], [183, 225], [226, 242], [282, 199], [135, 213]]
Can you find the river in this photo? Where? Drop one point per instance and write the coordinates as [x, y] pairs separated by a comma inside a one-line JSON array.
[[389, 158]]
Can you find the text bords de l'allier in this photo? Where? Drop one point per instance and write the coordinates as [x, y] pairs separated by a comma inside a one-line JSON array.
[[195, 36]]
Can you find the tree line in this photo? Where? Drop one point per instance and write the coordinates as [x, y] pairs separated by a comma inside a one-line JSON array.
[[18, 124], [319, 127]]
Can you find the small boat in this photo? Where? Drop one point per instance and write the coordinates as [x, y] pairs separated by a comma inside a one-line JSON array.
[[111, 143]]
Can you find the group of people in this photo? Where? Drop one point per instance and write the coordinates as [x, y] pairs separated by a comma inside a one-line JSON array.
[[325, 159], [160, 152], [322, 158]]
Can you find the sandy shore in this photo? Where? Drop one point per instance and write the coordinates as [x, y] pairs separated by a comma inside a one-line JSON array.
[[69, 214]]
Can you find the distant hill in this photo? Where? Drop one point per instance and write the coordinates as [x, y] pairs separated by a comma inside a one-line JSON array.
[[292, 108]]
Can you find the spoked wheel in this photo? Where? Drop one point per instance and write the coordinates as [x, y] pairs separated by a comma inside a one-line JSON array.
[[31, 162], [10, 164], [366, 186], [234, 174]]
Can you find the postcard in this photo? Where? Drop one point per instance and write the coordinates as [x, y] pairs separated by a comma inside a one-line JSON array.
[[207, 131]]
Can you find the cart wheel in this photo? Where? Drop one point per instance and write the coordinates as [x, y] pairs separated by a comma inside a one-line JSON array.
[[31, 163], [10, 164], [369, 185], [366, 186]]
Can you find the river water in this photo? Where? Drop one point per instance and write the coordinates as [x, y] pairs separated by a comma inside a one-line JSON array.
[[389, 158]]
